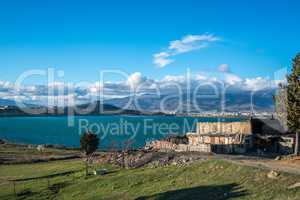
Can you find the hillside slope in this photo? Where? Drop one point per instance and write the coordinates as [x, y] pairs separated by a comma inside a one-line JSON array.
[[212, 179]]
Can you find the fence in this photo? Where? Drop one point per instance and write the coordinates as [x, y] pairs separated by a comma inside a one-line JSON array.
[[19, 186]]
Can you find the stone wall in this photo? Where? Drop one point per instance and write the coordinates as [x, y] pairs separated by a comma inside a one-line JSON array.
[[224, 127], [162, 145], [201, 148], [168, 146], [216, 139], [238, 143], [286, 145]]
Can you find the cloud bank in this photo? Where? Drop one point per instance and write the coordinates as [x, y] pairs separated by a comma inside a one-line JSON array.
[[60, 93]]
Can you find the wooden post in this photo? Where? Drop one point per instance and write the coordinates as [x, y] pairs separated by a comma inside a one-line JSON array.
[[297, 144], [86, 168], [14, 186]]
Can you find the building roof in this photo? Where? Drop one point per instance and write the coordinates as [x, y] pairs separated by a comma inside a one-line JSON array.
[[267, 127]]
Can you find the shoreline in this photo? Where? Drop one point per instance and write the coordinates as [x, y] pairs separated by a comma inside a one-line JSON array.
[[133, 115]]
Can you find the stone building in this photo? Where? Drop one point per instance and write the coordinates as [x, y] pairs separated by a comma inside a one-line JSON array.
[[223, 137], [257, 135], [218, 137]]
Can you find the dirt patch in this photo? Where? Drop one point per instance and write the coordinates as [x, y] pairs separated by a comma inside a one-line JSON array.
[[289, 160]]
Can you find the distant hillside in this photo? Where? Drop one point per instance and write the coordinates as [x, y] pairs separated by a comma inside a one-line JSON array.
[[234, 102]]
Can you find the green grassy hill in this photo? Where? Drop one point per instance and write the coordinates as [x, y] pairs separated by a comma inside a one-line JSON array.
[[212, 179]]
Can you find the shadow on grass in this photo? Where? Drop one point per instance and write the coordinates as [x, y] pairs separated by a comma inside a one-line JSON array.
[[215, 192], [55, 188], [45, 177]]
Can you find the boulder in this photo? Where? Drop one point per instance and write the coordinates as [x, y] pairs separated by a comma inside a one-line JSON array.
[[273, 174], [100, 172], [40, 148], [278, 158], [2, 141]]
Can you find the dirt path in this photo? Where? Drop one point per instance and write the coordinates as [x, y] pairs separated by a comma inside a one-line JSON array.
[[267, 164]]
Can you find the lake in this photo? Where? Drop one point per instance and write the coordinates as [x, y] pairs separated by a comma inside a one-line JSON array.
[[113, 130]]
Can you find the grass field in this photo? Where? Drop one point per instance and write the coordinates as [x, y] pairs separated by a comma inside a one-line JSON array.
[[212, 179]]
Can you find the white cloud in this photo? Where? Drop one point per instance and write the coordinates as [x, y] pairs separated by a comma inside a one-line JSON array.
[[161, 59], [259, 83], [224, 68], [201, 77], [172, 78], [186, 44], [232, 79], [57, 84], [191, 42], [96, 87], [135, 79], [5, 85]]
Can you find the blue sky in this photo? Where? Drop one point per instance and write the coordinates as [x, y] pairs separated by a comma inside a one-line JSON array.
[[254, 38]]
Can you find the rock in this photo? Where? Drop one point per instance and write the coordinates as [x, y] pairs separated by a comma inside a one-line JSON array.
[[273, 174], [2, 141], [40, 148], [174, 163], [100, 172], [296, 185], [278, 158]]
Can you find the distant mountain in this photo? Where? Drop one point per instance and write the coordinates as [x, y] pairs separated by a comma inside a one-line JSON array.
[[235, 101], [95, 108], [7, 102]]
